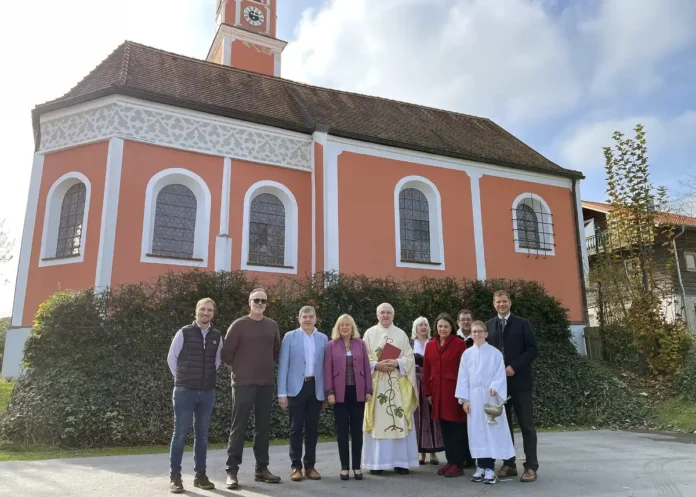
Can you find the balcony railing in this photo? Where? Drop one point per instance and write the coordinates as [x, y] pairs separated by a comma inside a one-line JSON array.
[[602, 241]]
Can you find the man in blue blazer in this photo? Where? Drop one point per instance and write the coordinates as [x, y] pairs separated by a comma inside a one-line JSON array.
[[301, 390]]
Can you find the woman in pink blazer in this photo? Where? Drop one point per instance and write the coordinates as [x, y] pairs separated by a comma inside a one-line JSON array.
[[348, 385]]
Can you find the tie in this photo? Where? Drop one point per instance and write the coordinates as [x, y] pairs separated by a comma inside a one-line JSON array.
[[502, 335]]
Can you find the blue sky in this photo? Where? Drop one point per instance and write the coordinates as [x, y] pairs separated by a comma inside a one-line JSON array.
[[560, 75]]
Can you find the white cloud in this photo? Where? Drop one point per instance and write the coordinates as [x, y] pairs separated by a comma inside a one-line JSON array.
[[582, 149], [508, 61], [632, 38]]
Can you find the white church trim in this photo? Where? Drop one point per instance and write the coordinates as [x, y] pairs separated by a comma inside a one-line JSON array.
[[54, 202], [173, 127], [437, 244], [200, 189], [284, 194]]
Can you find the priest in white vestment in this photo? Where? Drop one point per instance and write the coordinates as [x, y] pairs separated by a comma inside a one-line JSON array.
[[389, 438], [482, 380]]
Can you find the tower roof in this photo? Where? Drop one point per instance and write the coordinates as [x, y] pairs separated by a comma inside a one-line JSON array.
[[151, 74]]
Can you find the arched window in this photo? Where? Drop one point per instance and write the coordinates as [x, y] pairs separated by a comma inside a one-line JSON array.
[[418, 229], [65, 220], [175, 222], [414, 224], [72, 215], [267, 231], [527, 227], [269, 237], [532, 225]]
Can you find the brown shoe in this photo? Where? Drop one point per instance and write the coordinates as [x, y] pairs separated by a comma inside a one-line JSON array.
[[232, 483], [176, 486], [528, 475], [266, 476], [202, 481], [506, 472], [296, 475], [312, 474]]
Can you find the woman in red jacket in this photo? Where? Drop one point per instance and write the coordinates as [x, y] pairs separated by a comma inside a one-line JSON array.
[[440, 371]]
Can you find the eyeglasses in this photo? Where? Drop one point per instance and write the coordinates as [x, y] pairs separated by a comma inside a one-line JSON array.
[[478, 332], [259, 301]]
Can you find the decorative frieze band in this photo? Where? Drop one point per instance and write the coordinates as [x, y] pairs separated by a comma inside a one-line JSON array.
[[177, 130]]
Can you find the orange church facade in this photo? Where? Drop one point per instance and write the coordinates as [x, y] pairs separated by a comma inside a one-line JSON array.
[[158, 162]]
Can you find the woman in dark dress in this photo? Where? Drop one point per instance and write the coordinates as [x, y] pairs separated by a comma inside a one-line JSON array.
[[428, 431]]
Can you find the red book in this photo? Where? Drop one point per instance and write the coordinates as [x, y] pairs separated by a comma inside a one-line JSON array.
[[389, 352]]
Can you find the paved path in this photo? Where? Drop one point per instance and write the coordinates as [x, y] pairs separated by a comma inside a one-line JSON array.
[[582, 464]]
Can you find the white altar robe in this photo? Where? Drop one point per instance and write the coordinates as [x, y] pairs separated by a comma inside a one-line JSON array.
[[482, 368]]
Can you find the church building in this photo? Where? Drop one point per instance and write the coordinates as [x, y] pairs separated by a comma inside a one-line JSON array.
[[156, 161]]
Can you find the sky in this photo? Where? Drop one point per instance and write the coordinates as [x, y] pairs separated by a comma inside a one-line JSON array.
[[561, 75]]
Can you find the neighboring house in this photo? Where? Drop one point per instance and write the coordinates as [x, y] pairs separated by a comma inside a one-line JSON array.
[[679, 275], [155, 162]]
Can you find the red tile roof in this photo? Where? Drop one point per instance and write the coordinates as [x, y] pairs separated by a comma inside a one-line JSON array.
[[660, 217], [151, 74]]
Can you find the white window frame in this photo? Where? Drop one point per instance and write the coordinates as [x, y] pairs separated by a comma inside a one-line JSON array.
[[54, 203], [686, 261], [291, 226], [544, 224], [201, 241], [437, 245]]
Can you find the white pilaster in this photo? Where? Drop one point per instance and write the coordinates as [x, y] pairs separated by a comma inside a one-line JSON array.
[[226, 50], [107, 233], [238, 12], [474, 177], [223, 242], [14, 352], [27, 238], [276, 65], [581, 231], [331, 238]]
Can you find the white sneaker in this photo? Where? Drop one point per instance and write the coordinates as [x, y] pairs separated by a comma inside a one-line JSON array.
[[489, 477], [478, 476]]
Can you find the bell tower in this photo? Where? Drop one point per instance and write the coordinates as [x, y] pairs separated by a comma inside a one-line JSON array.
[[246, 36]]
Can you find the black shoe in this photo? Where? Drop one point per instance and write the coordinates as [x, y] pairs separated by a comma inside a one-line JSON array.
[[202, 481], [469, 464], [402, 471], [357, 476], [376, 471], [345, 477]]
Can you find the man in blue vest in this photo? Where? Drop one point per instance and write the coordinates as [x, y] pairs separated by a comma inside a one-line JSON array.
[[193, 359]]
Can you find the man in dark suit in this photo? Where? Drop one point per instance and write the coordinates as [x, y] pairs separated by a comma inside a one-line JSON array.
[[514, 337]]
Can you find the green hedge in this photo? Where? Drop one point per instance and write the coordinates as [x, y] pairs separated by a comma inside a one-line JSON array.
[[96, 371]]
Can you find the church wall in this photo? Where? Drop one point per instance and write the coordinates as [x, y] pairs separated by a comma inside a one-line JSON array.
[[366, 217], [252, 58], [42, 282], [140, 163], [560, 272], [299, 183]]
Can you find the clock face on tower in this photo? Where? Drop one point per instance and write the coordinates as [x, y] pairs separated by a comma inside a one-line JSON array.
[[253, 15]]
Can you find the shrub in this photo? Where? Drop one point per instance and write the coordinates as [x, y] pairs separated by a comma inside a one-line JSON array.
[[686, 379], [96, 372], [619, 347]]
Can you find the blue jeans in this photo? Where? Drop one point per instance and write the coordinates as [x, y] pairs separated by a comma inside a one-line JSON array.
[[195, 405]]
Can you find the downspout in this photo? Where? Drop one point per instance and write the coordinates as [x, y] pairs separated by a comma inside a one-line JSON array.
[[681, 282], [583, 290]]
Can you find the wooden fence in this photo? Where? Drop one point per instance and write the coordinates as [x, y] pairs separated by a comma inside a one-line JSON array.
[[593, 343]]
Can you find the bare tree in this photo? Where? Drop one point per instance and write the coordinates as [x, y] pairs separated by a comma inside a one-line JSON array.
[[6, 246]]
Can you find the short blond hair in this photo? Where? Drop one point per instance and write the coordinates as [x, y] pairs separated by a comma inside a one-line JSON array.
[[206, 300], [479, 324], [335, 334], [420, 320], [501, 293]]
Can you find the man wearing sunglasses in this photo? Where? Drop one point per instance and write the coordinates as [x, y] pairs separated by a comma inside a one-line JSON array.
[[251, 347]]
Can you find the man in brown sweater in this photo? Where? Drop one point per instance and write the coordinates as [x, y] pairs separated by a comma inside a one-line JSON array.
[[251, 347]]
